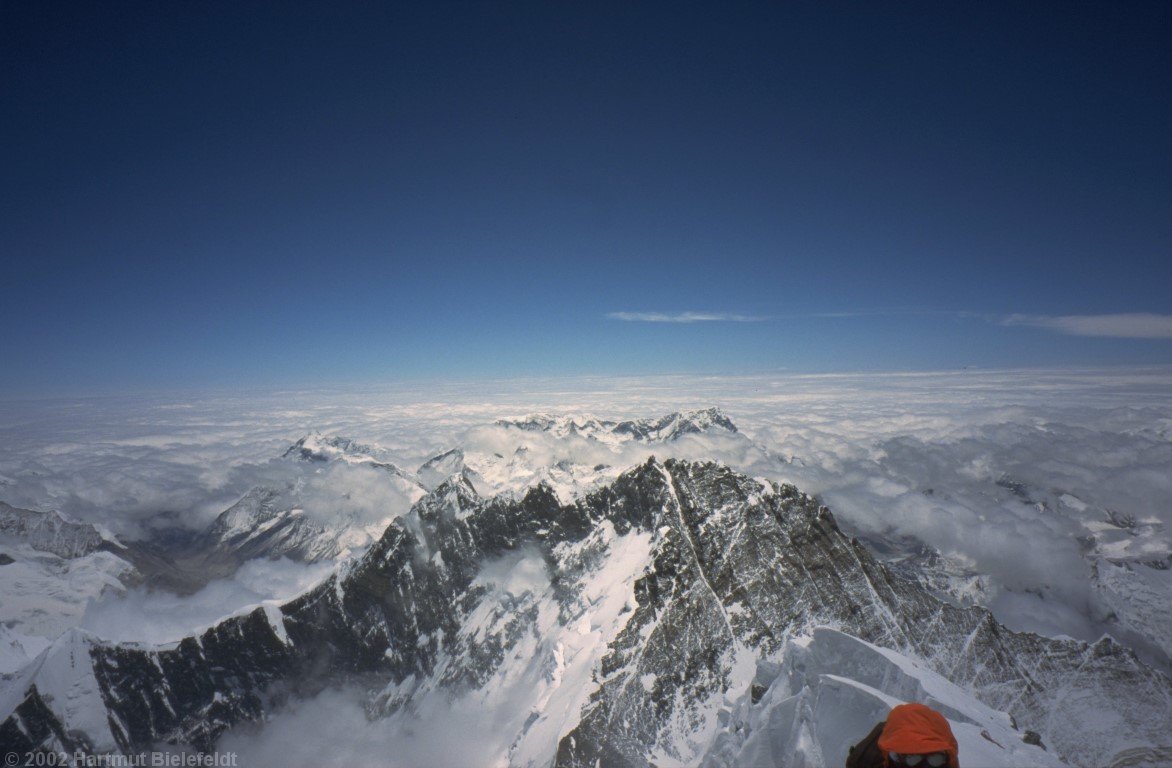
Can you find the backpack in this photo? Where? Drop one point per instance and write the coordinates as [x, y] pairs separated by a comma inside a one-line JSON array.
[[866, 754]]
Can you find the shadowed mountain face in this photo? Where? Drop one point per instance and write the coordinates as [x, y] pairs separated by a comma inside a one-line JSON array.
[[50, 532], [680, 575]]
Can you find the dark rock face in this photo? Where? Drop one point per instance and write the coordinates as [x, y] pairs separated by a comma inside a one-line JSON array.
[[734, 568], [735, 571]]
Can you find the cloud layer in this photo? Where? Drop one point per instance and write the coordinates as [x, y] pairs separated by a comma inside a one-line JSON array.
[[152, 616], [930, 456], [683, 317], [1129, 325], [1135, 325], [1007, 473]]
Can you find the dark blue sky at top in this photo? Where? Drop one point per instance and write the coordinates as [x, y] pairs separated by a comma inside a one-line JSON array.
[[233, 194]]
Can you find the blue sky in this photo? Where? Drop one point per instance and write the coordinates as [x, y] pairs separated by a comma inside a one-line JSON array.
[[291, 194]]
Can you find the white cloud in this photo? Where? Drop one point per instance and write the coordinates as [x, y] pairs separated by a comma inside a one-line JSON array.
[[1132, 325], [153, 616], [684, 317], [334, 729]]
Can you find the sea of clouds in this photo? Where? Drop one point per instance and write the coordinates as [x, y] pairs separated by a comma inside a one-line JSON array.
[[933, 456]]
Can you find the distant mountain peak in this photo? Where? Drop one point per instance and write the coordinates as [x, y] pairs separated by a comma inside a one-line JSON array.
[[319, 448], [459, 485], [680, 423], [662, 429], [53, 532], [450, 456]]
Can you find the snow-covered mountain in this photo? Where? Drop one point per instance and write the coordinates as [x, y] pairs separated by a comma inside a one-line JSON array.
[[316, 447], [573, 454], [663, 429], [50, 569], [496, 473], [1135, 596], [52, 532], [275, 522], [669, 617], [269, 523], [1127, 561], [43, 595]]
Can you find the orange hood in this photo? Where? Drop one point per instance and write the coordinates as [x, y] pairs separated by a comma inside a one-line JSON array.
[[914, 729]]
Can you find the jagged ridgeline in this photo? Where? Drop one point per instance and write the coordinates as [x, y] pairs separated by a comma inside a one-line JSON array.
[[649, 601]]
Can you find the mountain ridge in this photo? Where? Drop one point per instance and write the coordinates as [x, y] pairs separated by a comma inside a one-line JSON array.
[[733, 568]]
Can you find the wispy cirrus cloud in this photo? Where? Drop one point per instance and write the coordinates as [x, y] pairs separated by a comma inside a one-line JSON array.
[[1132, 325], [684, 317]]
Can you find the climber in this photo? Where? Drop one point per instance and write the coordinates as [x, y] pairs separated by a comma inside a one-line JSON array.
[[913, 736]]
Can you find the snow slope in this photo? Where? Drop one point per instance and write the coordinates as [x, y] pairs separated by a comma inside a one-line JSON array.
[[827, 690]]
